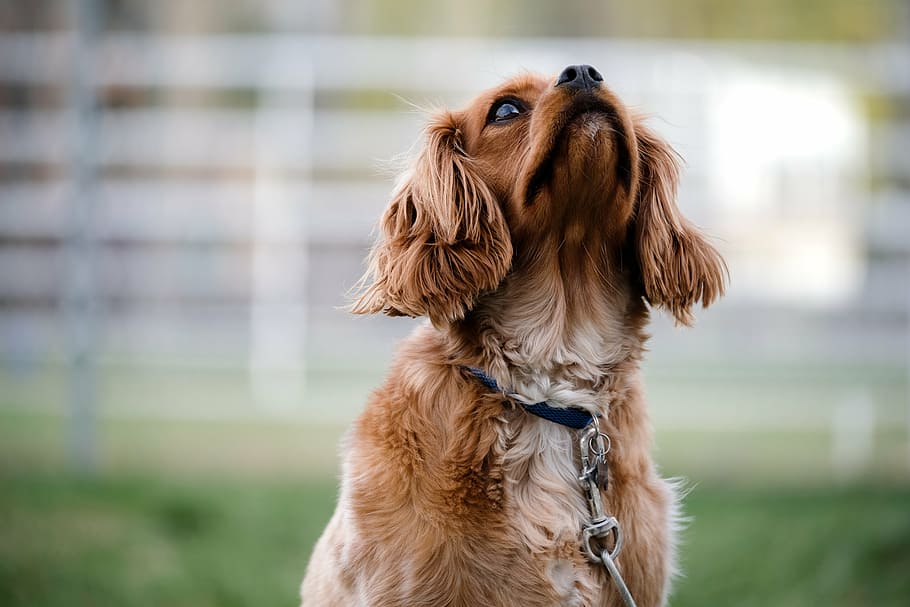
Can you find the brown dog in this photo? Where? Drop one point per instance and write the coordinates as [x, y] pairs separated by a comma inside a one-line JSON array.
[[532, 231]]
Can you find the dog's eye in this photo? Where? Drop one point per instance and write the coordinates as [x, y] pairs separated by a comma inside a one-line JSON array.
[[505, 110]]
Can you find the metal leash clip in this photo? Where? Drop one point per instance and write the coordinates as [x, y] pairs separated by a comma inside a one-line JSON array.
[[594, 471], [594, 446]]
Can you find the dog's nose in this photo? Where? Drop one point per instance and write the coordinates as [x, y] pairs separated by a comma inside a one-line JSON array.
[[580, 78]]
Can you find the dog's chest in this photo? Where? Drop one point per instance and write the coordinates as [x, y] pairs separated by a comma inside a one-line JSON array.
[[546, 507]]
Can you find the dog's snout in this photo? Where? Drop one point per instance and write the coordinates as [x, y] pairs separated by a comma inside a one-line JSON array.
[[580, 77]]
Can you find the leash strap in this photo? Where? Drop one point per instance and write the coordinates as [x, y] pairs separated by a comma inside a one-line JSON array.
[[617, 579]]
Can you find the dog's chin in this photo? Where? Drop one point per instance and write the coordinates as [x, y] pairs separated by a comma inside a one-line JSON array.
[[588, 125], [581, 164]]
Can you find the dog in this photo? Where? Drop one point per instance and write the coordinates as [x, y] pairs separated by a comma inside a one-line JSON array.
[[534, 231]]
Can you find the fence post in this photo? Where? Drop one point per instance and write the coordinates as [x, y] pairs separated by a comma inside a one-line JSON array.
[[279, 258], [80, 298], [853, 425]]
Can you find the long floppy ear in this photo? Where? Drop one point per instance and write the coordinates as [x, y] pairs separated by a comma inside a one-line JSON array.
[[678, 265], [443, 239]]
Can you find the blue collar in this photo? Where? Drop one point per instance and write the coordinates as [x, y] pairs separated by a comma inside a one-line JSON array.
[[571, 417]]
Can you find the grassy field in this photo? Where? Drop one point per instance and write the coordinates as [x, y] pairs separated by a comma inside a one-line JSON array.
[[130, 541], [223, 512]]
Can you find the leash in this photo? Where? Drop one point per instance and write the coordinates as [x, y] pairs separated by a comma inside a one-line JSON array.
[[593, 446]]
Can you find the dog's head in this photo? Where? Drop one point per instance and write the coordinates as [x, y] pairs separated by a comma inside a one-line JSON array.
[[534, 163]]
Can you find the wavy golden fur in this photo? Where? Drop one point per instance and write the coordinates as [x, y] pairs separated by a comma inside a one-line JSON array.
[[532, 231]]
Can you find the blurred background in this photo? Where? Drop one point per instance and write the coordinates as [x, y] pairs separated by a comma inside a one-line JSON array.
[[188, 190]]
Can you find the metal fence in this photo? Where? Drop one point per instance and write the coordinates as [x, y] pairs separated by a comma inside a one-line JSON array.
[[196, 207]]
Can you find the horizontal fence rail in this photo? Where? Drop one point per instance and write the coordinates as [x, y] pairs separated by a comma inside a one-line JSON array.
[[298, 62]]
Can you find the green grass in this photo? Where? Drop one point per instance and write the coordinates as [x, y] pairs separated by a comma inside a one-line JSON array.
[[833, 547], [134, 541], [215, 511]]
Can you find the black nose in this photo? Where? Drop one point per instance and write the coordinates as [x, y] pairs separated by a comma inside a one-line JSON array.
[[580, 78]]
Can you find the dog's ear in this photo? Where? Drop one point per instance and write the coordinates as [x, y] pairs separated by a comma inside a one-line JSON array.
[[443, 239], [678, 265]]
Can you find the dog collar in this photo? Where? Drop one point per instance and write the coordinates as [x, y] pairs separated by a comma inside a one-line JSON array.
[[571, 417]]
